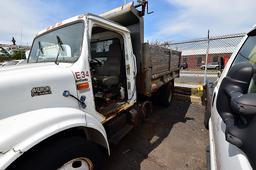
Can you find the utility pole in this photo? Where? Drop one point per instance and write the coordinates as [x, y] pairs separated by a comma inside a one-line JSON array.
[[20, 43], [206, 57]]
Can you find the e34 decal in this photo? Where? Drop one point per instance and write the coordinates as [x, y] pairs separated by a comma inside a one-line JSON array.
[[81, 75]]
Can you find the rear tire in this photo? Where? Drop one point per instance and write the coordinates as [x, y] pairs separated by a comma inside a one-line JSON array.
[[74, 152], [165, 95], [208, 105]]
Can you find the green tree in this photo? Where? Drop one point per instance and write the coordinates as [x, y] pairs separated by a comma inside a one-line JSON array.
[[18, 54]]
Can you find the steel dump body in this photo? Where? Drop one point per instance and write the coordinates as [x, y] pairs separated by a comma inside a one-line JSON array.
[[156, 65], [159, 66]]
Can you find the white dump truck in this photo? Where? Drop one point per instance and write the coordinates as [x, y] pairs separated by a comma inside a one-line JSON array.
[[87, 83], [231, 111]]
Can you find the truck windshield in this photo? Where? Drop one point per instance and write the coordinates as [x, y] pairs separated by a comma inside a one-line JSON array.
[[63, 44], [248, 51]]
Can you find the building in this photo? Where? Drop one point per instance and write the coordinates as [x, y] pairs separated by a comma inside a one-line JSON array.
[[194, 51]]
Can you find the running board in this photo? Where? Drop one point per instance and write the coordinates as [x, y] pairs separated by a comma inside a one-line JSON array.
[[116, 138]]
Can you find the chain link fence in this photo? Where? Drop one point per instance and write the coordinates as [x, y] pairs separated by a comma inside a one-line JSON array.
[[194, 69]]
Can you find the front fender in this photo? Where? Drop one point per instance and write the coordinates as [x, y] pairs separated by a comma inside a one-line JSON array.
[[21, 132]]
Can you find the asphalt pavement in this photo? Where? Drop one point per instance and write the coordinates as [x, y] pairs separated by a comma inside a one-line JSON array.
[[172, 138]]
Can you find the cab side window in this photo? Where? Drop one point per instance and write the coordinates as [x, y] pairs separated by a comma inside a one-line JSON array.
[[248, 54]]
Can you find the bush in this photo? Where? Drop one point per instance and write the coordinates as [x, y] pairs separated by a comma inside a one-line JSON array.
[[17, 55]]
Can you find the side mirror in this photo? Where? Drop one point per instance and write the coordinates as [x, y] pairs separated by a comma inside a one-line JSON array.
[[244, 104], [237, 109], [240, 76], [233, 99]]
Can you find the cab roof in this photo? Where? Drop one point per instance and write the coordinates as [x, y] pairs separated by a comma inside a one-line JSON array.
[[83, 17]]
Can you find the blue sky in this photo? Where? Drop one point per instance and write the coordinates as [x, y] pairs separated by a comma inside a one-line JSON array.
[[172, 20]]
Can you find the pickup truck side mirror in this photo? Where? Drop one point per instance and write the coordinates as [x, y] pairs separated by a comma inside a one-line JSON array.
[[237, 109], [244, 104]]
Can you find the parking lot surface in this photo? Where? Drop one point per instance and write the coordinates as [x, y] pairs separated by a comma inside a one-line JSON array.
[[170, 138]]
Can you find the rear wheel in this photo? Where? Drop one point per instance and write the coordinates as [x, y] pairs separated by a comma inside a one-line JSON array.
[[208, 90], [64, 154], [165, 95]]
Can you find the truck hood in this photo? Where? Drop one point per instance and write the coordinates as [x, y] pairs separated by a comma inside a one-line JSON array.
[[30, 87]]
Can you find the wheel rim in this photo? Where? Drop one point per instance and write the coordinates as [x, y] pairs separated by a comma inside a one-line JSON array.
[[78, 164]]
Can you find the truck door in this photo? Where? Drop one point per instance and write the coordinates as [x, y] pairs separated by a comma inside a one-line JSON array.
[[236, 105], [110, 69]]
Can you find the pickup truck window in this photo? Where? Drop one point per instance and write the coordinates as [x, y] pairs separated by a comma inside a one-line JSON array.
[[248, 51], [100, 49], [62, 44], [248, 54]]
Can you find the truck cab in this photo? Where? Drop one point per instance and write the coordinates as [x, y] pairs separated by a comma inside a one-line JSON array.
[[102, 59], [84, 64], [233, 107]]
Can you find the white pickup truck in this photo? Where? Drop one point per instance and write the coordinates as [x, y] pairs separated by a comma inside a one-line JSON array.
[[232, 108], [87, 83]]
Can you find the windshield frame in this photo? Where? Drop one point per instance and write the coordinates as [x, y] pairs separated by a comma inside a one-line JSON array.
[[57, 28]]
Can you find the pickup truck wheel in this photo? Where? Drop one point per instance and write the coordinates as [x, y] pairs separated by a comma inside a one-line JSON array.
[[207, 112], [64, 154], [166, 94]]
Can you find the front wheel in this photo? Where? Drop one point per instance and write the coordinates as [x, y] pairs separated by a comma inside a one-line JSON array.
[[71, 153]]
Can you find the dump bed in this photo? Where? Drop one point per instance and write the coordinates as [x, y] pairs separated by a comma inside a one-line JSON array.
[[159, 65], [156, 65], [163, 60]]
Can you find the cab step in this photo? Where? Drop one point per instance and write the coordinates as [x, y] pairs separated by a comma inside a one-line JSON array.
[[116, 138]]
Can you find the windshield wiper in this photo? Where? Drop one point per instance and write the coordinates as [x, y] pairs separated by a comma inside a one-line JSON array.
[[60, 43], [40, 47]]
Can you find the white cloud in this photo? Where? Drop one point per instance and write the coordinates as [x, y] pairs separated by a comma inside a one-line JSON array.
[[26, 17], [193, 18], [190, 18], [29, 17]]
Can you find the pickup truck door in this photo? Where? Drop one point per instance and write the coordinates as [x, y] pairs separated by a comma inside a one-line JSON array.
[[234, 112]]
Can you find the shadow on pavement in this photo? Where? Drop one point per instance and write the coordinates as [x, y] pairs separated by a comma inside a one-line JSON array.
[[137, 145]]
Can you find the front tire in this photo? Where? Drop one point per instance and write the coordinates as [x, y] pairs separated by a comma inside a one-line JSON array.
[[65, 153]]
